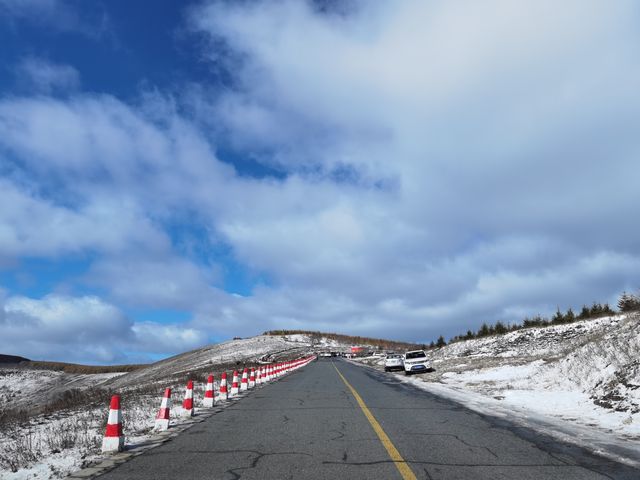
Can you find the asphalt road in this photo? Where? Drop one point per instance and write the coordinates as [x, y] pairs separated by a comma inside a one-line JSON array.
[[310, 425]]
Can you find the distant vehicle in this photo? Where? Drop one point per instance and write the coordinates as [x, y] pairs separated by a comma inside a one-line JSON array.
[[415, 361], [325, 354], [393, 362]]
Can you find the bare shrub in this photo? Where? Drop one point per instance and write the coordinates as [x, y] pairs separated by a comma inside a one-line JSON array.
[[75, 397], [81, 430], [20, 450], [9, 417]]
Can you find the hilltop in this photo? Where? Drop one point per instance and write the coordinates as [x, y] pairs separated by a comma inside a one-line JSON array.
[[320, 338]]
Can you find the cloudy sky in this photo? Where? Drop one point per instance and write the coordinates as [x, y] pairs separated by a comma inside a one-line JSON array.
[[180, 174]]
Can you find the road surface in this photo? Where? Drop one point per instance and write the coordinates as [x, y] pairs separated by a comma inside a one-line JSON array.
[[335, 420]]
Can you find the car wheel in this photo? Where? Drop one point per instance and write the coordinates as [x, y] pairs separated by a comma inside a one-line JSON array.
[[407, 373], [386, 369]]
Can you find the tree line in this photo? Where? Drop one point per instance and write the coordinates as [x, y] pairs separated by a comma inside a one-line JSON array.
[[628, 302], [352, 339]]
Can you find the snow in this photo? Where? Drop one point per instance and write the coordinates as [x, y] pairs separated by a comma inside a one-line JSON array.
[[28, 388], [505, 373], [231, 354]]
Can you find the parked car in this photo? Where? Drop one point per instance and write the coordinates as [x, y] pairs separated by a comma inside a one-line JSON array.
[[415, 361], [393, 362]]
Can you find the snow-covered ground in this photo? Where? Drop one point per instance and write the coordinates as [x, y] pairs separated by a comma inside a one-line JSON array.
[[582, 378], [231, 354], [26, 388], [56, 444]]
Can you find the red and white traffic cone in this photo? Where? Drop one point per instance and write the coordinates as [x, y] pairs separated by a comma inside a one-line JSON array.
[[162, 418], [113, 440], [224, 393], [244, 384], [235, 389], [252, 378], [209, 398], [187, 404]]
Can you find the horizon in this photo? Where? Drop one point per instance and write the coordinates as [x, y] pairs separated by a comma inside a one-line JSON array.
[[175, 175]]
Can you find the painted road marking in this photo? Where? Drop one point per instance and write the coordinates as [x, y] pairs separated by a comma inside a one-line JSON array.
[[401, 465]]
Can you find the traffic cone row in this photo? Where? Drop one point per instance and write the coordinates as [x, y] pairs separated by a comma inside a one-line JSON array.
[[113, 440]]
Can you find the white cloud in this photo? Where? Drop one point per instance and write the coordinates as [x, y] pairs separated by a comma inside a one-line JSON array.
[[154, 337], [58, 327], [446, 164], [47, 77], [23, 8], [164, 281], [33, 225], [58, 15], [84, 329]]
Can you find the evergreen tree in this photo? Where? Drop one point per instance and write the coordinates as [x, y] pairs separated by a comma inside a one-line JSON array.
[[569, 317], [558, 317], [484, 330], [584, 313], [628, 302], [441, 342], [500, 328], [596, 309]]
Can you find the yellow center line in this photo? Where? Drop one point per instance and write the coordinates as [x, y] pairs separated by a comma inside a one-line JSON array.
[[403, 468]]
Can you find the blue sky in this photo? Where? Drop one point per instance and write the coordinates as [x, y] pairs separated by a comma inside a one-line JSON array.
[[181, 174]]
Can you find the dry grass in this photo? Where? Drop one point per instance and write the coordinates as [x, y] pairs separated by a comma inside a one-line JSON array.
[[83, 369]]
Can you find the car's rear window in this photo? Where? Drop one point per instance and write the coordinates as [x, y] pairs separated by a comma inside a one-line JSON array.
[[416, 355]]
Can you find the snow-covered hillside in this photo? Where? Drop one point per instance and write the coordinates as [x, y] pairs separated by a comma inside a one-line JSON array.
[[596, 358], [586, 374], [52, 444], [227, 355]]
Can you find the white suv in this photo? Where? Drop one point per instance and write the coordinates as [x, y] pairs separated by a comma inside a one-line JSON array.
[[415, 361], [393, 362]]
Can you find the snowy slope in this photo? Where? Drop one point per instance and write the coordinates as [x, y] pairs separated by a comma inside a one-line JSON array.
[[226, 355], [598, 358]]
